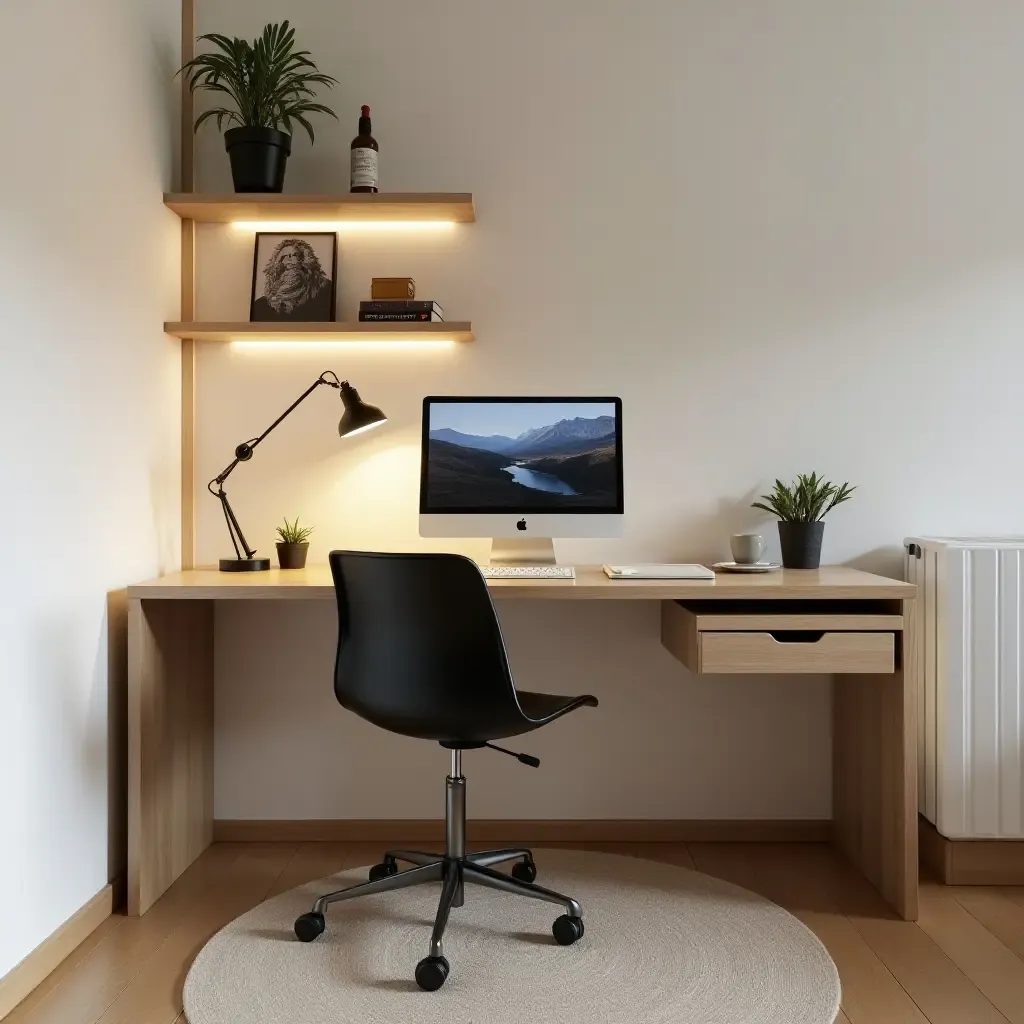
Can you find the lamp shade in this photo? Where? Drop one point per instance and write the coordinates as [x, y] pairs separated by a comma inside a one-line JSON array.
[[358, 415]]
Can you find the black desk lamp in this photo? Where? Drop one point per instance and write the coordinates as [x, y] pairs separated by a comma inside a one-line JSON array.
[[357, 416]]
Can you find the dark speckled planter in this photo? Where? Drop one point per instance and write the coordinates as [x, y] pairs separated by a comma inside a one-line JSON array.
[[801, 544]]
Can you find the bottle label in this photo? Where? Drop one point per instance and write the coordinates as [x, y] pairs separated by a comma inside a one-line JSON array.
[[364, 168]]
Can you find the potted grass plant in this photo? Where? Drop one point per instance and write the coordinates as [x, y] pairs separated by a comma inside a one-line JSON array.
[[270, 86], [801, 506], [293, 544]]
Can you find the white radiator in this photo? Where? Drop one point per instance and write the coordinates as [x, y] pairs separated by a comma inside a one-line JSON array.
[[970, 689]]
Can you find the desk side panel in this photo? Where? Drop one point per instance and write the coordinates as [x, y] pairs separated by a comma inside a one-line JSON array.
[[170, 743], [874, 724]]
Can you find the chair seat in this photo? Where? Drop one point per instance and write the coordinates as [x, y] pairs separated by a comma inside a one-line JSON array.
[[541, 708], [533, 710]]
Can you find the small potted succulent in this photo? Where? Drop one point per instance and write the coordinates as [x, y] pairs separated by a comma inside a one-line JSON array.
[[269, 83], [800, 507], [293, 545]]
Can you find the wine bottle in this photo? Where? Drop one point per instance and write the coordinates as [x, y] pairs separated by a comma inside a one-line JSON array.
[[364, 157]]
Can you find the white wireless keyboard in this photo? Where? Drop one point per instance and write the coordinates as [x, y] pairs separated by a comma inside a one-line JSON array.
[[528, 572]]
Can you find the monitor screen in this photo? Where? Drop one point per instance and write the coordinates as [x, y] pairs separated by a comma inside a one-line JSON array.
[[515, 455]]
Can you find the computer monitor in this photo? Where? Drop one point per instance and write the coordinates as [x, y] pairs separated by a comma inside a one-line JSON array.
[[521, 470]]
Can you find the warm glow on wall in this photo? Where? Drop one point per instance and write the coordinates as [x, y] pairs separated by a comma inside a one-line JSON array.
[[273, 344], [388, 468], [368, 226]]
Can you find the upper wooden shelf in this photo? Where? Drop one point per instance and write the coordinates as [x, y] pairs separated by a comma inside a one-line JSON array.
[[355, 206], [337, 331]]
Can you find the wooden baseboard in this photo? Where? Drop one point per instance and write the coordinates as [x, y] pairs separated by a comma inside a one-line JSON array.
[[523, 831], [48, 955], [971, 861]]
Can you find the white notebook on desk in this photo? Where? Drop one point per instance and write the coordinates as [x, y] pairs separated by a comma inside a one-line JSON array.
[[658, 572]]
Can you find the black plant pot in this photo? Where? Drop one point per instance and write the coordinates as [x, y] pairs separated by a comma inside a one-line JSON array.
[[292, 556], [258, 158], [801, 544]]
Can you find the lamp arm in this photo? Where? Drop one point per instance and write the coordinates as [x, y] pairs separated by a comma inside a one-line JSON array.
[[234, 530], [322, 379], [243, 453]]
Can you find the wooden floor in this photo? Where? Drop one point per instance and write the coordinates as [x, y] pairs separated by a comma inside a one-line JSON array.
[[963, 963]]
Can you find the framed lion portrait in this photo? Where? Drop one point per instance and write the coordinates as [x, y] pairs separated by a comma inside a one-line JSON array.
[[294, 277]]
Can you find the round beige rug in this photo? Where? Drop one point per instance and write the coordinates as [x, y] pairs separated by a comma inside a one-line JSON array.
[[662, 944]]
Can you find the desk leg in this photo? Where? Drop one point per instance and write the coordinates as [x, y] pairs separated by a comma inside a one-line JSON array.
[[874, 775], [170, 743]]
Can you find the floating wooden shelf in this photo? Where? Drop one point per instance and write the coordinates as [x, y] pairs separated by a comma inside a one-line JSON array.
[[272, 206], [295, 331]]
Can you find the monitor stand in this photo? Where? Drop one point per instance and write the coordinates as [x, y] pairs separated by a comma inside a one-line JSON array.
[[522, 551]]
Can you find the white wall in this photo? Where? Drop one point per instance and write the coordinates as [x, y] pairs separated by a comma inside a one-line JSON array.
[[788, 234], [88, 418]]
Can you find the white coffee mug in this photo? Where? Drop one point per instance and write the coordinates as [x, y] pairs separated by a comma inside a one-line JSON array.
[[747, 548]]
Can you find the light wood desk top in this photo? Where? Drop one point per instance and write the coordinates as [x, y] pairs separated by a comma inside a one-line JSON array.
[[314, 582]]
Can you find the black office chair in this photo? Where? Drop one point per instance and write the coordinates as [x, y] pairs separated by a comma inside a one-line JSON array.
[[420, 653]]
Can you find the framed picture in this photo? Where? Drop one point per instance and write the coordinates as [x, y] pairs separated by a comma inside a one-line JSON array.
[[294, 277]]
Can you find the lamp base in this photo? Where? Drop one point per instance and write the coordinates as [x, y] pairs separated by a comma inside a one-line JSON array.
[[244, 564]]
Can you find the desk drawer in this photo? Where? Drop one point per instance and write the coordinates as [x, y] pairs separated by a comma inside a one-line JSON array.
[[786, 652], [780, 639]]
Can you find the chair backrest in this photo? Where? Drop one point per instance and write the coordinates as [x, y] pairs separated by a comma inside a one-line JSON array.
[[420, 650]]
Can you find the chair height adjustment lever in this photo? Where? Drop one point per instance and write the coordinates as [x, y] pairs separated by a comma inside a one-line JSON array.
[[533, 762]]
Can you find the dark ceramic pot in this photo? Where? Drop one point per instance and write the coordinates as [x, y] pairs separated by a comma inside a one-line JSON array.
[[258, 157], [801, 544], [292, 556]]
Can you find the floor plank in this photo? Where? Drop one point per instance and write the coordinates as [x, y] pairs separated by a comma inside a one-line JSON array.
[[944, 994], [67, 967], [668, 853], [86, 991], [993, 968], [871, 995], [154, 995], [321, 860], [1013, 892], [999, 909], [963, 966]]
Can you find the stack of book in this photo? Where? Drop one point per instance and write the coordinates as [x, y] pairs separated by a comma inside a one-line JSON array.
[[401, 311]]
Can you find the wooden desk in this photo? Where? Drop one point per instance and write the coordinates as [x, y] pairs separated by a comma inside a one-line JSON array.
[[837, 621]]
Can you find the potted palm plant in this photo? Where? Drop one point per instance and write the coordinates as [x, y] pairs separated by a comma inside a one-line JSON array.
[[293, 545], [800, 507], [270, 85]]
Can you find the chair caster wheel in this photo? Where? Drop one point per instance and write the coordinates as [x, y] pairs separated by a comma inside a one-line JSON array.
[[567, 930], [387, 867], [309, 927], [431, 973], [524, 871]]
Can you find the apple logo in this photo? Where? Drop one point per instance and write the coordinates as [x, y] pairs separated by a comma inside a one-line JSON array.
[[521, 525]]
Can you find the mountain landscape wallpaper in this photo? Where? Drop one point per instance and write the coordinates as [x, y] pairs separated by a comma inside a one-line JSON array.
[[521, 455]]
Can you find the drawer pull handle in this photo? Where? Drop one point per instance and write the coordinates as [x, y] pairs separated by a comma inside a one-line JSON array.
[[797, 636]]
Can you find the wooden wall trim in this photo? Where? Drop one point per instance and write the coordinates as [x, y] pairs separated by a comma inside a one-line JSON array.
[[187, 170], [971, 861], [48, 955], [523, 831], [187, 177], [188, 425]]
